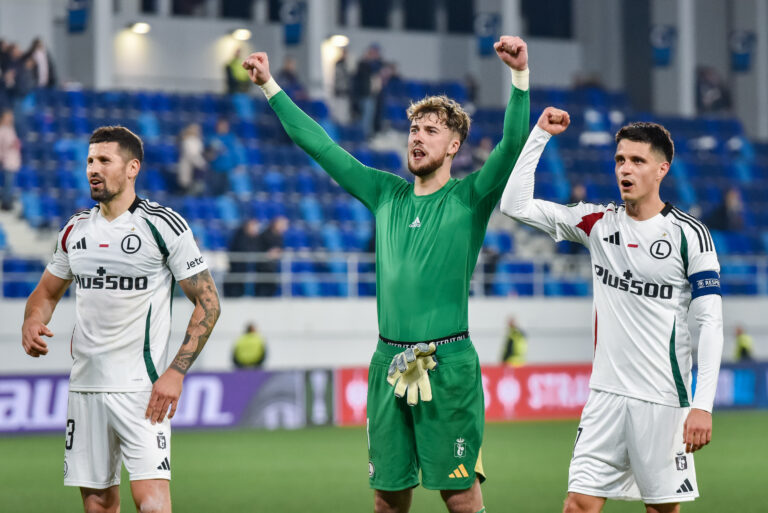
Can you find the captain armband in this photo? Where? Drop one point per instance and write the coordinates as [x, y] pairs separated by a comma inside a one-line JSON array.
[[705, 282]]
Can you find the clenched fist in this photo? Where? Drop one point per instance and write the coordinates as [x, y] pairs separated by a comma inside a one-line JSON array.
[[257, 65], [554, 121], [513, 51]]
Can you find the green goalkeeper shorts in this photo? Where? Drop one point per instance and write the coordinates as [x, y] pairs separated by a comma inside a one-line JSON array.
[[442, 438]]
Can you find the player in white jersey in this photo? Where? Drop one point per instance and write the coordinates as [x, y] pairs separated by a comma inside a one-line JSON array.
[[125, 255], [651, 263]]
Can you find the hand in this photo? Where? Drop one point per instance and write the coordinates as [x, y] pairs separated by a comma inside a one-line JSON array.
[[697, 430], [513, 51], [165, 393], [554, 121], [31, 340], [257, 65], [408, 372]]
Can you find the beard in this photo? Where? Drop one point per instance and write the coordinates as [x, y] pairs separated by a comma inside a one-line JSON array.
[[426, 167], [103, 195]]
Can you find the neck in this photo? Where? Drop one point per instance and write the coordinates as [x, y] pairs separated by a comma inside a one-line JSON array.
[[645, 208], [115, 207], [434, 181]]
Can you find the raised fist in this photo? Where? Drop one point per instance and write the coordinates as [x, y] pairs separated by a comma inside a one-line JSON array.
[[513, 51], [554, 121], [257, 65]]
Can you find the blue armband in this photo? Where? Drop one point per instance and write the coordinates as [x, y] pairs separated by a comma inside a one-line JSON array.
[[705, 282]]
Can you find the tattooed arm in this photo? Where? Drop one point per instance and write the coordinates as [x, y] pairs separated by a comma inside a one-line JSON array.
[[201, 290]]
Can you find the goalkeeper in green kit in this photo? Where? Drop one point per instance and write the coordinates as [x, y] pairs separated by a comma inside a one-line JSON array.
[[428, 236]]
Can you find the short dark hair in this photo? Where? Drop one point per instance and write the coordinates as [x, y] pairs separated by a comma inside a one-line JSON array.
[[128, 142], [652, 133]]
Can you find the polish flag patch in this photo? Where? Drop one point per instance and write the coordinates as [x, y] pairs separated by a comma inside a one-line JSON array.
[[631, 245], [104, 244]]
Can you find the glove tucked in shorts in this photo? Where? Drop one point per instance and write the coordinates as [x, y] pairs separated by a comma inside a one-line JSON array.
[[441, 438]]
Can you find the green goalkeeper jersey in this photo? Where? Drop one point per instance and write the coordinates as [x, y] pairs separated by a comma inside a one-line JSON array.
[[426, 246]]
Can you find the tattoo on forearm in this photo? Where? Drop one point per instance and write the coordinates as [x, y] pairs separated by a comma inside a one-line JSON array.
[[207, 309]]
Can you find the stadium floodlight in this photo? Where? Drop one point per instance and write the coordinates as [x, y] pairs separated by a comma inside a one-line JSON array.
[[241, 34], [140, 27], [339, 40]]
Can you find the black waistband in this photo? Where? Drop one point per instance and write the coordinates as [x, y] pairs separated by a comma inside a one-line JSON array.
[[437, 341]]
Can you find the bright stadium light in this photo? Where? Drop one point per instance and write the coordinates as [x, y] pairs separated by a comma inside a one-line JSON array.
[[339, 40], [241, 34], [140, 28]]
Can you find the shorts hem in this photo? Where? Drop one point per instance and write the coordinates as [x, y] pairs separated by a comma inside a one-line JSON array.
[[144, 477], [88, 484], [456, 486], [671, 500], [393, 488], [603, 494]]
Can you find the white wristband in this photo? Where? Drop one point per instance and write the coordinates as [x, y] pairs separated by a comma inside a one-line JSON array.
[[270, 88], [520, 79]]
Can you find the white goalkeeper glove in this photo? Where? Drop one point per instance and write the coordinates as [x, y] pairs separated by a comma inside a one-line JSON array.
[[408, 372]]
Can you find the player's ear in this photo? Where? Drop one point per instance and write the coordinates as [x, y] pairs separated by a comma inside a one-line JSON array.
[[453, 147], [133, 168], [663, 170]]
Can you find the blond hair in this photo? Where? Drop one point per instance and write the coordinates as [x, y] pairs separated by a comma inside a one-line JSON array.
[[448, 111]]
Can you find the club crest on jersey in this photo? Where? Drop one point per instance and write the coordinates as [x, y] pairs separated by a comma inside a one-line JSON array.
[[459, 448], [661, 249], [371, 469], [161, 442], [681, 462], [131, 243]]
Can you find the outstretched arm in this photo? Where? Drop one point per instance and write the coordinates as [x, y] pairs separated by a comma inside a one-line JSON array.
[[39, 311], [361, 181], [201, 290], [513, 51]]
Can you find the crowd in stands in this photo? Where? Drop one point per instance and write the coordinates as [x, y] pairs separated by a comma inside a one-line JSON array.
[[224, 162]]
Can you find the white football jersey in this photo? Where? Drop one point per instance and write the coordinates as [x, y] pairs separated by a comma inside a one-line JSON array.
[[645, 274], [124, 272]]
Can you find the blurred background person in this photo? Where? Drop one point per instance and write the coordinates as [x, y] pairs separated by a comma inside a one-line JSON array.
[[729, 214], [745, 346], [245, 244], [515, 345], [250, 349], [288, 77], [45, 71], [191, 171], [342, 87], [271, 245], [364, 88], [10, 157], [237, 77]]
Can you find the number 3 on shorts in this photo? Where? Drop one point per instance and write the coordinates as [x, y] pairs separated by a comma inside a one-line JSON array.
[[70, 434]]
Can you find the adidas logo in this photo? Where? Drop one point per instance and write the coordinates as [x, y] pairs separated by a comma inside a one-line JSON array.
[[685, 487], [165, 465], [460, 472], [79, 245], [415, 224], [613, 239]]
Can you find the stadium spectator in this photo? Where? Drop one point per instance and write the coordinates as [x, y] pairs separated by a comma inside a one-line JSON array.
[[192, 168], [250, 349], [744, 346], [482, 151], [729, 215], [515, 345], [342, 87], [422, 300], [364, 88], [245, 244], [712, 94], [44, 69], [289, 75], [389, 81], [10, 157], [271, 245], [223, 149], [237, 81], [640, 410]]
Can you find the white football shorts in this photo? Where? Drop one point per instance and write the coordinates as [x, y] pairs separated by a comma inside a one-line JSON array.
[[105, 429], [629, 449]]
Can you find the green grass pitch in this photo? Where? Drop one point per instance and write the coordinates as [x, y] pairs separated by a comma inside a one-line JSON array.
[[326, 470]]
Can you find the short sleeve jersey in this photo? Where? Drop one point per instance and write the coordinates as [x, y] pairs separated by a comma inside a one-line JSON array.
[[645, 274], [124, 272]]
